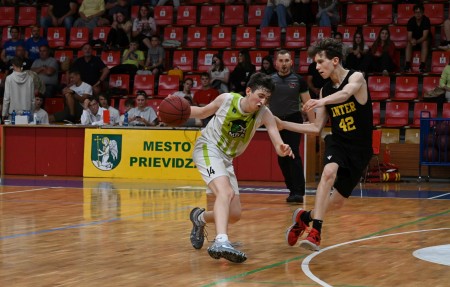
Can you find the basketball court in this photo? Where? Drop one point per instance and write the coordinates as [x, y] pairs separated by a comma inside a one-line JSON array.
[[94, 232]]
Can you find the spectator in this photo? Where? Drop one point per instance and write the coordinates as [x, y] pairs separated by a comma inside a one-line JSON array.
[[132, 60], [186, 92], [60, 13], [20, 53], [119, 35], [92, 69], [92, 113], [285, 103], [9, 48], [144, 26], [114, 115], [267, 66], [445, 34], [155, 57], [113, 7], [47, 69], [90, 12], [301, 12], [40, 115], [382, 54], [241, 73], [129, 104], [33, 43], [142, 115], [219, 74], [444, 82], [75, 95], [357, 54], [19, 90], [314, 81], [176, 3], [205, 95], [328, 14], [419, 38], [280, 7]]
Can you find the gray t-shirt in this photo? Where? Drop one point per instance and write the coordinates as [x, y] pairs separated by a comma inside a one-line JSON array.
[[285, 99], [49, 62], [154, 54]]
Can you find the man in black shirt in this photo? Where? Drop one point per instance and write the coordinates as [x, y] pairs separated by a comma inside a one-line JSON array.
[[418, 38], [60, 13]]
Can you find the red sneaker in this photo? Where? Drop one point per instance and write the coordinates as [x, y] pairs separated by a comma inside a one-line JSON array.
[[311, 242], [297, 228]]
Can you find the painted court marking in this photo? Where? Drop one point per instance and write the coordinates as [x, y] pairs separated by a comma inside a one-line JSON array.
[[307, 260], [26, 190]]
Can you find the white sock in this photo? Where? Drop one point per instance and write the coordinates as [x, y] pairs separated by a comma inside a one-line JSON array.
[[201, 217], [222, 237]]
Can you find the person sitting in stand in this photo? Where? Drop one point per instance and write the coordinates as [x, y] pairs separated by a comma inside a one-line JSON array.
[[92, 112], [114, 115], [33, 43], [205, 95], [9, 47], [129, 104], [267, 66], [155, 57], [187, 91], [219, 74], [142, 115], [40, 115], [382, 54]]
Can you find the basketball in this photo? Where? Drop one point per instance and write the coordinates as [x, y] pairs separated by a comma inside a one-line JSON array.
[[174, 111]]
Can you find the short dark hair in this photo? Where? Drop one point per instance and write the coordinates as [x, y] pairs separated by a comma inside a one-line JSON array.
[[261, 81], [331, 47], [141, 93], [16, 61]]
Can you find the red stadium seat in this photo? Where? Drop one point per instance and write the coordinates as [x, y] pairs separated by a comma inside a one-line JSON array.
[[78, 37], [53, 105], [134, 11], [356, 14], [122, 105], [446, 110], [168, 84], [187, 15], [220, 37], [7, 16], [245, 37], [347, 34], [256, 57], [304, 62], [381, 14], [439, 59], [379, 87], [196, 37], [163, 15], [174, 33], [255, 14], [233, 15], [111, 58], [270, 37], [101, 33], [318, 32], [145, 83], [230, 59], [56, 37], [399, 35], [183, 59], [404, 13], [435, 11], [120, 81], [370, 34], [429, 83], [27, 16], [415, 61], [62, 55], [204, 59], [419, 108], [295, 37], [376, 113], [406, 88], [154, 103], [397, 114], [210, 15]]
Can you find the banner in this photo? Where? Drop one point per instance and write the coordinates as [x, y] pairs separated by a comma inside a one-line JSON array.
[[149, 154]]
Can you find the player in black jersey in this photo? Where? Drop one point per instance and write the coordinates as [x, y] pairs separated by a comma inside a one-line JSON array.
[[345, 100]]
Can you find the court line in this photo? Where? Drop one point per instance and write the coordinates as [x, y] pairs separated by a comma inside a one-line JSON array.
[[307, 260], [439, 196], [26, 190]]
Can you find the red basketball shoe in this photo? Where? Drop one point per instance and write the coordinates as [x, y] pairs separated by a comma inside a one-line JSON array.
[[297, 228], [311, 242]]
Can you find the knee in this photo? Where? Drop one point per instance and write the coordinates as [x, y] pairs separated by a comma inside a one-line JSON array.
[[328, 175]]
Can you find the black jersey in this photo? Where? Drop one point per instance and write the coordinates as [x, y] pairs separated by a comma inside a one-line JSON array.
[[351, 122]]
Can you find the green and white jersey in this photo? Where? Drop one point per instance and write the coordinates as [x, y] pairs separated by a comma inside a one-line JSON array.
[[231, 130]]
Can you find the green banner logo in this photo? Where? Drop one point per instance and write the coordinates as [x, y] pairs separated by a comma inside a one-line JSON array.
[[106, 151]]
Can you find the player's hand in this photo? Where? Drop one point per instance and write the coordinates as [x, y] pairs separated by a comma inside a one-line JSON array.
[[285, 150], [311, 105]]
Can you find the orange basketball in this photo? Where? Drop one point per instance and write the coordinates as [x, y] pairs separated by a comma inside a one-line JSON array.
[[174, 111]]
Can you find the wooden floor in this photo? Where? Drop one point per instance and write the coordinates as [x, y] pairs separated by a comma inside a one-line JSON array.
[[77, 232]]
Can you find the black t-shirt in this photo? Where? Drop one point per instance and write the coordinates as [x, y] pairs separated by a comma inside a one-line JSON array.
[[61, 7], [90, 71], [417, 30]]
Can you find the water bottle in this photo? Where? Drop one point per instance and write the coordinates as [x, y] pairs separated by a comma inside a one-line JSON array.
[[13, 117], [35, 119], [125, 119]]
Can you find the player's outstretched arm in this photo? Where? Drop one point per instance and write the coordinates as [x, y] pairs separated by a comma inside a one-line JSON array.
[[269, 122], [208, 110], [308, 128]]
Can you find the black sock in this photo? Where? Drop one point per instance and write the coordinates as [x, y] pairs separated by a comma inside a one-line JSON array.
[[317, 224], [306, 217]]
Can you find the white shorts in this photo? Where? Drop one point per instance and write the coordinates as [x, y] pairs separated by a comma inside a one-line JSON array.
[[212, 163]]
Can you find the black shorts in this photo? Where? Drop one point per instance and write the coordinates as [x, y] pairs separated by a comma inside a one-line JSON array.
[[352, 161]]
